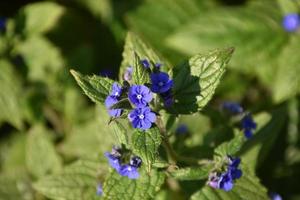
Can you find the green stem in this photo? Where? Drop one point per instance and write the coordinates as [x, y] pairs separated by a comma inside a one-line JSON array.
[[172, 155]]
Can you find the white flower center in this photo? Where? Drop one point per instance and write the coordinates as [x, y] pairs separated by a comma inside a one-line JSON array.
[[141, 116], [160, 83], [117, 94], [139, 96]]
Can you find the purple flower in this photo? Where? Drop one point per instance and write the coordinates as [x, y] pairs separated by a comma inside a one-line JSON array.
[[136, 161], [232, 107], [213, 180], [225, 182], [99, 190], [142, 118], [130, 171], [145, 63], [112, 99], [128, 74], [139, 95], [275, 196], [160, 82], [113, 160], [248, 125], [116, 90], [291, 22], [109, 102]]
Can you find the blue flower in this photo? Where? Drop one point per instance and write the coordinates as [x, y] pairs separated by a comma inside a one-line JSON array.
[[128, 74], [275, 196], [109, 102], [291, 22], [136, 161], [160, 82], [248, 125], [145, 63], [99, 190], [232, 107], [142, 118], [116, 90], [112, 99], [2, 23], [139, 95], [113, 160], [181, 129], [225, 182], [130, 171]]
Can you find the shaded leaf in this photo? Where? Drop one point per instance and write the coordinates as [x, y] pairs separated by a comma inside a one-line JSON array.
[[140, 74], [231, 147], [196, 80]]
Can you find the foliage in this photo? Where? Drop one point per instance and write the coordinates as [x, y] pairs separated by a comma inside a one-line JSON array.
[[60, 59]]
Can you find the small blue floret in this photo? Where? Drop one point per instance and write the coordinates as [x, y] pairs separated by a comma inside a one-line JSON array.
[[142, 118], [130, 171], [145, 63], [139, 95], [232, 107], [291, 22], [99, 190], [248, 125], [128, 74], [160, 82]]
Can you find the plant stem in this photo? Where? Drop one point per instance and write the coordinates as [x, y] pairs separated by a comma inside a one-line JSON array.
[[172, 155]]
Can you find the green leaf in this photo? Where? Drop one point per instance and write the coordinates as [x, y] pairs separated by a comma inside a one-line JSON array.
[[247, 187], [232, 147], [140, 74], [120, 132], [287, 81], [95, 87], [192, 173], [99, 8], [42, 58], [41, 157], [121, 188], [123, 104], [186, 28], [134, 45], [15, 185], [145, 144], [10, 95], [87, 138], [40, 17], [196, 80], [77, 182], [169, 17]]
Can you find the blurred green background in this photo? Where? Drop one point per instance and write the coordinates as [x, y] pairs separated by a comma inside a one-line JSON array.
[[46, 122]]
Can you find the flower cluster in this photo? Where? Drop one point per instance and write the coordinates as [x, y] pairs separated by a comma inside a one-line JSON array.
[[130, 169], [225, 180], [291, 22], [140, 96], [248, 125]]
